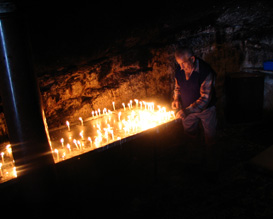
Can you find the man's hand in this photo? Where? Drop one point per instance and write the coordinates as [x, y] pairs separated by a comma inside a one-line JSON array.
[[175, 104], [182, 114]]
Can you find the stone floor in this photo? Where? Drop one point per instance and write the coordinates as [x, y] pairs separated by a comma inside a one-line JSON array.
[[239, 192]]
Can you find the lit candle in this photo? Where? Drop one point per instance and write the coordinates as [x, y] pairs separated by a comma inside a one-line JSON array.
[[90, 140], [62, 141], [136, 102], [2, 155], [63, 155], [8, 147], [131, 103], [98, 126], [80, 118], [123, 106], [14, 171], [119, 114], [1, 172], [112, 133], [68, 125], [79, 143], [124, 130], [104, 110], [99, 111], [96, 113], [75, 142], [114, 106], [92, 113], [57, 154], [69, 148], [81, 134], [140, 105]]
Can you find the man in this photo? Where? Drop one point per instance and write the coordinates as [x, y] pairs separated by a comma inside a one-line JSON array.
[[194, 94]]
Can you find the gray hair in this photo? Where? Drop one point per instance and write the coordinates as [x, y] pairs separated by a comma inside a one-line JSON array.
[[183, 51]]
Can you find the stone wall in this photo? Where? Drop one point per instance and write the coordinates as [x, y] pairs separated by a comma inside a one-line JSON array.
[[76, 92]]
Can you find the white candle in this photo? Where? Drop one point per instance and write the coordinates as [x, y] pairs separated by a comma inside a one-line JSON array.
[[144, 104], [92, 113], [96, 113], [99, 111], [2, 156], [63, 156], [68, 125], [129, 105], [140, 105], [136, 103], [75, 142], [1, 172], [80, 118], [8, 147], [79, 143], [123, 106], [114, 106], [81, 134], [62, 141], [69, 148], [112, 133], [14, 171], [90, 140], [98, 126]]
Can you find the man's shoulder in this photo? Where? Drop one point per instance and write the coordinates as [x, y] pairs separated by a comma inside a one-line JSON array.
[[205, 67]]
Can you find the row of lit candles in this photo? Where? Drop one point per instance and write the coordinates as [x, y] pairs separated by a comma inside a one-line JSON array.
[[9, 172], [133, 124], [97, 113]]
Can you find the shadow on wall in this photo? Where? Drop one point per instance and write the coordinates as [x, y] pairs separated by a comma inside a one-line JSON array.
[[223, 58]]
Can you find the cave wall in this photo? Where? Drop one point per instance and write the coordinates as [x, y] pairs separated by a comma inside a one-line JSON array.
[[134, 74], [238, 38]]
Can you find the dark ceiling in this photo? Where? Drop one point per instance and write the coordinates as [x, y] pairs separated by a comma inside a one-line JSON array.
[[83, 28]]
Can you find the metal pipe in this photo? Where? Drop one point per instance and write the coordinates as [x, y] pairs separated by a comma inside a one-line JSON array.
[[22, 106]]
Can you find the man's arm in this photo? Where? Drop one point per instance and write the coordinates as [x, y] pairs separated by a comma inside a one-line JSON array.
[[205, 96], [176, 96], [177, 92]]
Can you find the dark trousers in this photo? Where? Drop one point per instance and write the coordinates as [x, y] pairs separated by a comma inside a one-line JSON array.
[[209, 123]]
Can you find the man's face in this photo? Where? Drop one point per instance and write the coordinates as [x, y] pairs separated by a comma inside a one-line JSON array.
[[185, 63]]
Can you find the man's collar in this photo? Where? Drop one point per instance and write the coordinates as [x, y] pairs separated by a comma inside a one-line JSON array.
[[196, 65]]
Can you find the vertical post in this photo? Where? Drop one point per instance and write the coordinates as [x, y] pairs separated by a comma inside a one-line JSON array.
[[23, 110]]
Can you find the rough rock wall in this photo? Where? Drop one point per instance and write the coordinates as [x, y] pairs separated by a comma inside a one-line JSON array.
[[70, 93]]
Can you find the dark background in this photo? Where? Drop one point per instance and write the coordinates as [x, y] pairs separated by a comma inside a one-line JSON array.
[[85, 28]]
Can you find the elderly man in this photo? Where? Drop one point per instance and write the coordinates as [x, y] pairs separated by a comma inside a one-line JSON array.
[[194, 94]]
